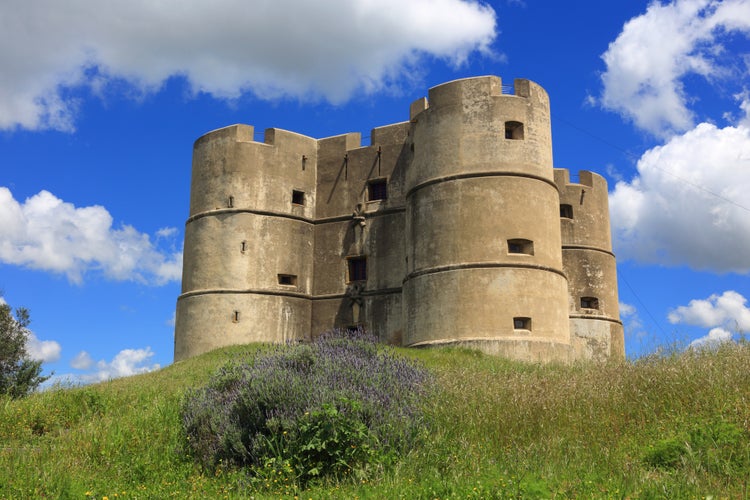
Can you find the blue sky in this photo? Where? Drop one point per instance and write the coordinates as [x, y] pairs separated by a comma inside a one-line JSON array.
[[100, 105]]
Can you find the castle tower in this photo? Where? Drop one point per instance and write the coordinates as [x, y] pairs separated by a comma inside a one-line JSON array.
[[248, 256], [484, 263], [596, 329]]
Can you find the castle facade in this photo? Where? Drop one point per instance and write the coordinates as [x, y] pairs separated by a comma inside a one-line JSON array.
[[452, 228]]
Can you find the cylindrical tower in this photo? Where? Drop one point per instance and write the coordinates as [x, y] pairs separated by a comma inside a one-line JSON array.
[[484, 264], [248, 254], [596, 329]]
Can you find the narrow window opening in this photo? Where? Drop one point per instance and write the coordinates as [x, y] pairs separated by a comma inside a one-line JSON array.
[[357, 269], [566, 211], [243, 246], [230, 202], [298, 197], [522, 323], [514, 130], [287, 279], [589, 303], [236, 317], [520, 246], [377, 190]]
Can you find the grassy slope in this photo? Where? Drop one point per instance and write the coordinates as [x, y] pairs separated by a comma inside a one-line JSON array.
[[499, 430]]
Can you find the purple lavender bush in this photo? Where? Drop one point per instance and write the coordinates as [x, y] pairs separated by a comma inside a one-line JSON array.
[[324, 409]]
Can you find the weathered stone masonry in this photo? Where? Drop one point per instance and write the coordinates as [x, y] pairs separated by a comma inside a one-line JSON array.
[[451, 228]]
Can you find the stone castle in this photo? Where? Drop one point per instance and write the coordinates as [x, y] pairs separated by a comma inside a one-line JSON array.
[[451, 228]]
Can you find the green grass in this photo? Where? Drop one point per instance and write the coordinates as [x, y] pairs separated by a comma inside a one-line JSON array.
[[670, 426]]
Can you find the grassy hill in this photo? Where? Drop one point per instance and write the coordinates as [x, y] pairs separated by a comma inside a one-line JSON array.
[[670, 426]]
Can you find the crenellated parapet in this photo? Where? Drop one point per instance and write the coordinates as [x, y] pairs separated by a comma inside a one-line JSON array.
[[449, 228]]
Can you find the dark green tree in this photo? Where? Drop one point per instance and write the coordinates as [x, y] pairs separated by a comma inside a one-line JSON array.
[[19, 374]]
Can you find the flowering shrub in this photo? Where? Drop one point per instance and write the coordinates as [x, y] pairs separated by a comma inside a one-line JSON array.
[[340, 403]]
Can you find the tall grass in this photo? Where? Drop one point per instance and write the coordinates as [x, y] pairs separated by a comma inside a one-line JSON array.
[[497, 429]]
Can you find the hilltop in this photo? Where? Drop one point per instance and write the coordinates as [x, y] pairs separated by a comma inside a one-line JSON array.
[[667, 426]]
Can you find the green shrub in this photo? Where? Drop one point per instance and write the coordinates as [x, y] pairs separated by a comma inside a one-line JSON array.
[[718, 447], [340, 404], [667, 453]]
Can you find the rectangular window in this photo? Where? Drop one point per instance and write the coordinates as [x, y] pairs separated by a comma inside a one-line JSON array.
[[566, 211], [521, 246], [514, 130], [298, 197], [288, 279], [357, 268], [589, 303], [236, 317], [377, 190], [522, 323]]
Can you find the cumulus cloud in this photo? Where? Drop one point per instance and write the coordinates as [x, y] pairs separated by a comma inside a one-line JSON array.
[[46, 351], [727, 310], [649, 60], [49, 234], [82, 361], [126, 363], [714, 337], [688, 204], [326, 49], [723, 314]]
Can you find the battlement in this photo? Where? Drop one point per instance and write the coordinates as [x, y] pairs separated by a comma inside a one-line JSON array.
[[478, 88], [235, 133], [585, 178]]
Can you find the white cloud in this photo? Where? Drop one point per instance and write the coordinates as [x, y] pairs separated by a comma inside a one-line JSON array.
[[46, 351], [126, 363], [714, 337], [297, 48], [49, 234], [82, 361], [727, 310], [688, 205], [647, 63]]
